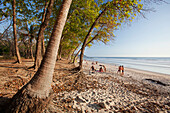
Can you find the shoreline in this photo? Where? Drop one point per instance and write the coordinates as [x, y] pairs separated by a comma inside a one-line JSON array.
[[148, 67], [115, 93], [143, 71], [93, 92], [136, 74]]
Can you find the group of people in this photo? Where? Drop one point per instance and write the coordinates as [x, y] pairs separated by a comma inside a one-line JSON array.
[[121, 70], [101, 69]]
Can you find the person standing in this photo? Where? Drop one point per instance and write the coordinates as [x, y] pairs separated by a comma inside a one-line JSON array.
[[104, 68], [101, 69], [122, 73], [119, 70]]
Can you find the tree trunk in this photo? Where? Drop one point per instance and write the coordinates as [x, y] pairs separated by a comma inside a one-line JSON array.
[[59, 52], [43, 44], [75, 57], [60, 48], [38, 56], [87, 37], [31, 37], [72, 55], [33, 97], [15, 33], [10, 50], [31, 53]]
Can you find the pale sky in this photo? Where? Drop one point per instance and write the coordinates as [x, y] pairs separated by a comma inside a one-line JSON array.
[[143, 38]]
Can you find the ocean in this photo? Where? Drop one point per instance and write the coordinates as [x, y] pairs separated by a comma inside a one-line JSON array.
[[153, 64]]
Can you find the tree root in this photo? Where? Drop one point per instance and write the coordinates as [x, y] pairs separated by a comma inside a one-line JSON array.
[[22, 102]]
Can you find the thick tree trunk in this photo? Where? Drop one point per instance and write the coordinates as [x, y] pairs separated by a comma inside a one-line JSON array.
[[22, 102], [33, 97], [15, 34], [38, 54], [87, 37]]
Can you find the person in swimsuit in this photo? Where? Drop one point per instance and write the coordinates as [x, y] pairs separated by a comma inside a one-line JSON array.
[[92, 69], [122, 70], [104, 68], [119, 70], [101, 69]]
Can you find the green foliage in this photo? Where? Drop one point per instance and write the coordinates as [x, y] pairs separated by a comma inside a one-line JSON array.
[[82, 15]]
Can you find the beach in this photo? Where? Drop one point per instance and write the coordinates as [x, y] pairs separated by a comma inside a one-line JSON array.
[[104, 92], [135, 91]]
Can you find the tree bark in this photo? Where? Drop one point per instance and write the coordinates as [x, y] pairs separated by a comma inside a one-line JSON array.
[[60, 48], [87, 37], [30, 35], [15, 33], [33, 97], [38, 54], [59, 52], [31, 53], [43, 44]]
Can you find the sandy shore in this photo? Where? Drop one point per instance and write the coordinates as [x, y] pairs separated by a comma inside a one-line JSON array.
[[135, 91], [157, 79]]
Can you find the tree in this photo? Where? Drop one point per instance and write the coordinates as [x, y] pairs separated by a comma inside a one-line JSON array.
[[87, 36], [43, 18], [7, 43], [113, 12], [34, 95], [80, 15], [27, 35], [15, 33], [39, 53]]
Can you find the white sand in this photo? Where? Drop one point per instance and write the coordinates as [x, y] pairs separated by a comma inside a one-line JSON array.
[[136, 74], [115, 96]]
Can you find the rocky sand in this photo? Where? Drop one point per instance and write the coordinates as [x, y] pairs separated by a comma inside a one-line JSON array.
[[135, 92]]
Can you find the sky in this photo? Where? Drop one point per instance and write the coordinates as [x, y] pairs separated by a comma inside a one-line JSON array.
[[144, 37]]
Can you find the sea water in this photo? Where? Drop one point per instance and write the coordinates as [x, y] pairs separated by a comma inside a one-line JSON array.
[[153, 64]]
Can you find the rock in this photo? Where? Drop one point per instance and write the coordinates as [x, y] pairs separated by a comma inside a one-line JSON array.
[[83, 109], [112, 103], [101, 111], [107, 106], [79, 99], [102, 105], [107, 103]]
